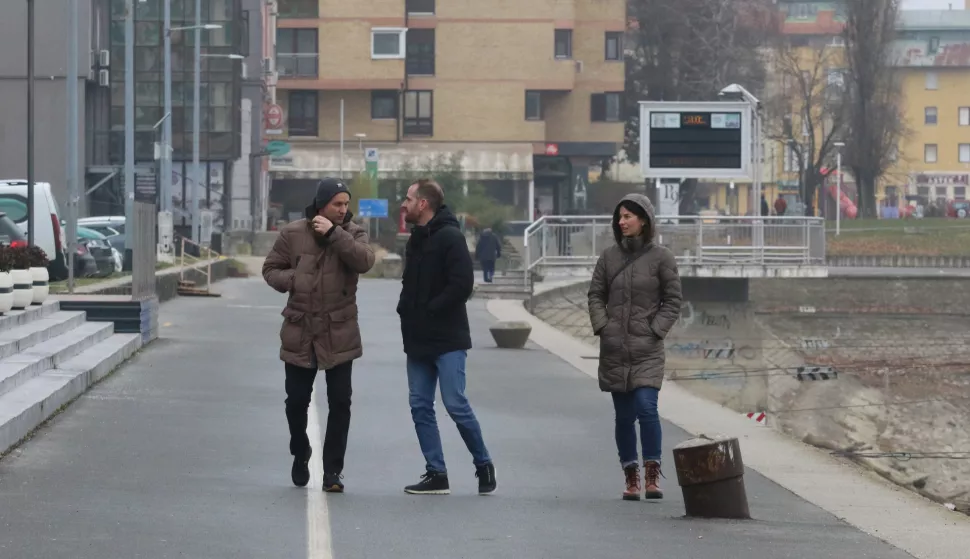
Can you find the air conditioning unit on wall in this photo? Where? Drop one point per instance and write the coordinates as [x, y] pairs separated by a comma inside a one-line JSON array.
[[104, 78], [104, 58], [268, 66]]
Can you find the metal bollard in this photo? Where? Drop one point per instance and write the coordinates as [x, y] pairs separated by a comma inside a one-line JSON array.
[[710, 473]]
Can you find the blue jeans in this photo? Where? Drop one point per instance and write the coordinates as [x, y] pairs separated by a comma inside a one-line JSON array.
[[641, 404], [423, 376]]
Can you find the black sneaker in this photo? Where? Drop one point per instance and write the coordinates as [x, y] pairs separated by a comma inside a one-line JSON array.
[[300, 473], [432, 483], [486, 479], [332, 483]]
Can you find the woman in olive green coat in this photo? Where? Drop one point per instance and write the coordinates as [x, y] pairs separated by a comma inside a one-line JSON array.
[[634, 301]]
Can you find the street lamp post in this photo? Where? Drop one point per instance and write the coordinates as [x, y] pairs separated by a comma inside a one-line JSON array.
[[166, 171], [30, 123]]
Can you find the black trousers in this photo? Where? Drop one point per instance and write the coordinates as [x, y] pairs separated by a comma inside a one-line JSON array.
[[299, 387]]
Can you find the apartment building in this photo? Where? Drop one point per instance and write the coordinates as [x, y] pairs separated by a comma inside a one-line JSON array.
[[933, 55], [528, 93]]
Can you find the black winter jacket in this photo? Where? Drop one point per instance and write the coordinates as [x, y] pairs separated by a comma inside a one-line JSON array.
[[438, 281]]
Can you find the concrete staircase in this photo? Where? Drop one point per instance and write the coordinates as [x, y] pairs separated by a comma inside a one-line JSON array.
[[509, 284], [48, 357]]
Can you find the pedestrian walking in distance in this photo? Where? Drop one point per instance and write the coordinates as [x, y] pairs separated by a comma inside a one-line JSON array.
[[317, 262], [634, 301], [438, 281], [487, 251]]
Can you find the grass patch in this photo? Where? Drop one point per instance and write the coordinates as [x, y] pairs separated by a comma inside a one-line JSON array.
[[911, 237]]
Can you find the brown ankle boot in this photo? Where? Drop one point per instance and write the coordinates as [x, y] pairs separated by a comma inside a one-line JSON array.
[[632, 473], [652, 475]]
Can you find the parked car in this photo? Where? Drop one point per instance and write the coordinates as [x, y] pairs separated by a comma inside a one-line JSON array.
[[48, 233], [99, 248], [111, 226], [10, 234]]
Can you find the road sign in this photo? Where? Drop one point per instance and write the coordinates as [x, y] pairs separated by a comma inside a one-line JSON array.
[[370, 207], [277, 148], [696, 140], [274, 119], [371, 156]]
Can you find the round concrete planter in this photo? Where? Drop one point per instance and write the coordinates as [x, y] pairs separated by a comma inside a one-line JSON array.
[[41, 284], [511, 335], [6, 292], [23, 288]]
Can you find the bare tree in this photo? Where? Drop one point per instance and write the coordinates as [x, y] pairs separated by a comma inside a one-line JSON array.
[[806, 109], [874, 101], [688, 50]]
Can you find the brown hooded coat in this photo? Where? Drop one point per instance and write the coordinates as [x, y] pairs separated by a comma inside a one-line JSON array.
[[633, 314], [320, 273]]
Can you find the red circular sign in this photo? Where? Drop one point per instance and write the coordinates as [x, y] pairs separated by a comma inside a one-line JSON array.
[[274, 116], [552, 149]]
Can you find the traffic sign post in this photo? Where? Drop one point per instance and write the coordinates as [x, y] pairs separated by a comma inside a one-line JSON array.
[[274, 120], [371, 158], [370, 207]]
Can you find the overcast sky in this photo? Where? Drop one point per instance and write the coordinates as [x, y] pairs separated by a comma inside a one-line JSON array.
[[931, 4]]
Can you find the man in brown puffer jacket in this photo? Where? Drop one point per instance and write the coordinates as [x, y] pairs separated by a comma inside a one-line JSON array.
[[317, 261], [634, 301]]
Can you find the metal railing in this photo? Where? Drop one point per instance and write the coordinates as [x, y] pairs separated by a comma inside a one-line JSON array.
[[206, 256], [143, 250], [695, 240], [298, 64]]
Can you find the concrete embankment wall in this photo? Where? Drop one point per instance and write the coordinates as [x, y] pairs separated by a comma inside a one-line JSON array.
[[900, 348]]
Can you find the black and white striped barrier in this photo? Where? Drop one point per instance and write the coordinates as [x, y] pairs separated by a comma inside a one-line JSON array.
[[816, 373]]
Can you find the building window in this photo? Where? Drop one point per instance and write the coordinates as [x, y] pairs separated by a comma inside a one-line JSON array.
[[929, 153], [564, 43], [420, 52], [932, 80], [929, 115], [298, 8], [964, 116], [934, 46], [296, 53], [387, 42], [964, 153], [959, 193], [419, 6], [383, 104], [303, 114], [533, 105], [614, 45], [419, 113], [605, 107]]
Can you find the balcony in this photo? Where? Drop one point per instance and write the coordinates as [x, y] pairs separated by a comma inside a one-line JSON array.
[[298, 65], [420, 65]]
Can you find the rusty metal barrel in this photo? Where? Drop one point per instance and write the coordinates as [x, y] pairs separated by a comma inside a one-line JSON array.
[[710, 473]]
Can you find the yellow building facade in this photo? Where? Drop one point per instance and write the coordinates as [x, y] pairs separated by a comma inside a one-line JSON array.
[[528, 95]]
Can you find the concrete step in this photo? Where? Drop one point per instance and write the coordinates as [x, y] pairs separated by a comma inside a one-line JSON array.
[[23, 337], [498, 291], [15, 318], [22, 367], [25, 407]]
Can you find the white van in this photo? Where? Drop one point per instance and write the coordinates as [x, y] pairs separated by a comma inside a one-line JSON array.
[[48, 233]]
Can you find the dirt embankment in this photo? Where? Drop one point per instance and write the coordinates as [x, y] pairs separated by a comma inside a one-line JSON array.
[[901, 399]]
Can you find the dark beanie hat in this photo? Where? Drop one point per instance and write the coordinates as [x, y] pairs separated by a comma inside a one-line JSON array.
[[326, 190]]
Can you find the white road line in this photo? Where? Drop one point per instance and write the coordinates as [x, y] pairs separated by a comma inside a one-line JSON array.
[[319, 545]]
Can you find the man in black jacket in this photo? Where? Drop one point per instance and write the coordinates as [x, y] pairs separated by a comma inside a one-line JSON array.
[[438, 280]]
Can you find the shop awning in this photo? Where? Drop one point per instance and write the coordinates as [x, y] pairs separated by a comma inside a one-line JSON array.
[[312, 160]]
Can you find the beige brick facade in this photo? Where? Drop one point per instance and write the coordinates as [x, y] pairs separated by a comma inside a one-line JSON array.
[[486, 56]]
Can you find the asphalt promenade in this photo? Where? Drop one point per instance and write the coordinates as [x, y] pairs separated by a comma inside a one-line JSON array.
[[183, 453]]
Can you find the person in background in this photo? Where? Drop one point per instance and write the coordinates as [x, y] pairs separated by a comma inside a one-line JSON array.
[[765, 209], [780, 206], [634, 300], [488, 250], [438, 281], [317, 261]]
